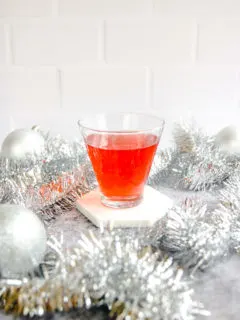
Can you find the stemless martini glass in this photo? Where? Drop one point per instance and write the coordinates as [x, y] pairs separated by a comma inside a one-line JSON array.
[[121, 147]]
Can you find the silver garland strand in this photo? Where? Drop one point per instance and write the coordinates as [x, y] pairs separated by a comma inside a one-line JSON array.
[[230, 200], [195, 236], [196, 162], [114, 269], [103, 270], [162, 172], [229, 195], [63, 170], [50, 182]]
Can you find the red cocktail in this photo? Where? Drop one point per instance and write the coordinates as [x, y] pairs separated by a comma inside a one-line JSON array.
[[122, 159]]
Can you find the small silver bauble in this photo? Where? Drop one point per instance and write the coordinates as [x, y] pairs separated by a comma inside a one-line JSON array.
[[228, 139], [22, 142], [22, 240]]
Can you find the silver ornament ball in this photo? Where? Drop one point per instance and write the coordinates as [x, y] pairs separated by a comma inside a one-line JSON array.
[[22, 142], [22, 240], [228, 139]]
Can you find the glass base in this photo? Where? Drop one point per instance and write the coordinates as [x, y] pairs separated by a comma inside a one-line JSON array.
[[121, 203]]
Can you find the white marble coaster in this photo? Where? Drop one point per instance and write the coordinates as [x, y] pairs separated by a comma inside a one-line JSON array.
[[153, 207]]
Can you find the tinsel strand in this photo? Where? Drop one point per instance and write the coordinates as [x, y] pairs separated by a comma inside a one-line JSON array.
[[193, 235], [50, 182], [106, 270], [230, 200], [195, 163]]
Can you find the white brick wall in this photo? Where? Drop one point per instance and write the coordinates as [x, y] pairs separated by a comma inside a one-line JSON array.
[[198, 8], [150, 41], [2, 45], [28, 89], [60, 59], [99, 88], [104, 8], [51, 42], [25, 8], [208, 93], [219, 42]]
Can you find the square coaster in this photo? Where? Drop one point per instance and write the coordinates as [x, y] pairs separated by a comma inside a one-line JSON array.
[[153, 207]]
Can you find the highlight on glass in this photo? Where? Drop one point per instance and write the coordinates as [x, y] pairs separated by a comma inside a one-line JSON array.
[[121, 147]]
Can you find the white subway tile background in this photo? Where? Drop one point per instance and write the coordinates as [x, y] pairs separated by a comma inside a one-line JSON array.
[[122, 88], [2, 45], [104, 8], [61, 59], [25, 8], [198, 8]]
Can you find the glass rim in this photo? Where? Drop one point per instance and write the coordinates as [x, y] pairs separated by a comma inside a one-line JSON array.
[[161, 123]]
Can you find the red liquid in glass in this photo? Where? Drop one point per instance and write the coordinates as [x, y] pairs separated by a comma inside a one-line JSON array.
[[122, 162]]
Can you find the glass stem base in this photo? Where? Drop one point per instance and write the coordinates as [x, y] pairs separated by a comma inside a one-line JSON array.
[[121, 203]]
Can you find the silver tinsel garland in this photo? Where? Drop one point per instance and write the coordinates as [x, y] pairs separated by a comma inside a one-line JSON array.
[[106, 269], [196, 162], [230, 206], [195, 236], [39, 182], [113, 269], [50, 182]]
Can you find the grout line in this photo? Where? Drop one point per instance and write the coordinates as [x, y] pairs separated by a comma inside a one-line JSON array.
[[59, 87], [149, 88], [102, 42], [55, 8], [9, 44]]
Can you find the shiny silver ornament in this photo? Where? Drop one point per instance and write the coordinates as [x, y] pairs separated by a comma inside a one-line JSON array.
[[22, 240], [21, 143], [228, 140]]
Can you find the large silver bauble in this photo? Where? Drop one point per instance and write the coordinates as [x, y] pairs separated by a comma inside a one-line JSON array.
[[228, 139], [22, 142], [22, 240]]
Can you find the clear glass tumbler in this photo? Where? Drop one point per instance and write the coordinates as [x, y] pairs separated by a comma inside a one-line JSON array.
[[121, 147]]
